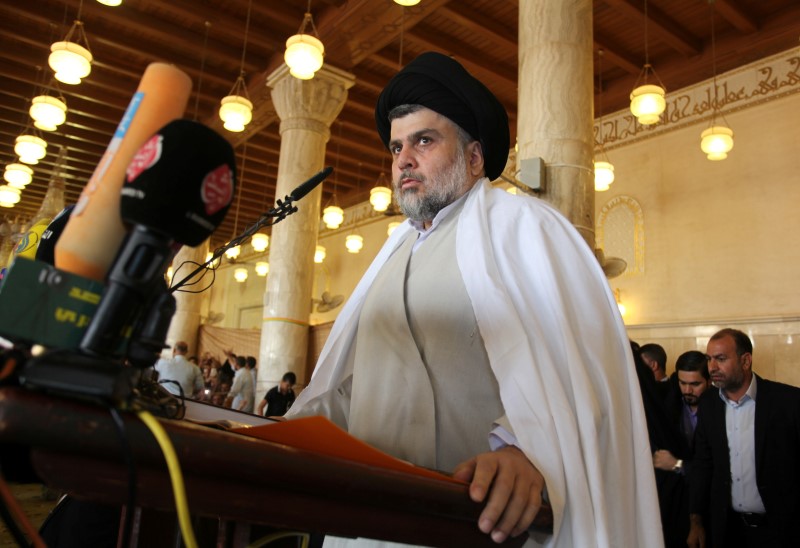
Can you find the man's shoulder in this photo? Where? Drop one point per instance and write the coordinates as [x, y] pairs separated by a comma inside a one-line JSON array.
[[709, 398], [778, 391]]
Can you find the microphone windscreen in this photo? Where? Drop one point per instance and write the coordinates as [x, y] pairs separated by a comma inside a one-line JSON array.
[[181, 182], [47, 246]]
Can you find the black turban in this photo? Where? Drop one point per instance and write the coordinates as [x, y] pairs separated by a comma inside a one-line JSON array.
[[441, 84]]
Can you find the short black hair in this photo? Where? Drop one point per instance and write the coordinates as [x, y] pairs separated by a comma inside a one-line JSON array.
[[181, 346], [289, 377], [241, 361], [693, 360], [743, 343], [657, 353], [251, 362]]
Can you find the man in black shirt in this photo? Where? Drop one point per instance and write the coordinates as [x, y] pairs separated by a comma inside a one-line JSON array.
[[279, 398]]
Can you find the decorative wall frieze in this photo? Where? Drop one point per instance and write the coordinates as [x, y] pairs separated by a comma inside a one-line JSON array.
[[745, 87]]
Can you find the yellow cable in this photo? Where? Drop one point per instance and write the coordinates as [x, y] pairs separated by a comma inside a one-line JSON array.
[[175, 477]]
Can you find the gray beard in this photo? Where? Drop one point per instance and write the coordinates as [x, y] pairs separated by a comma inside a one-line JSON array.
[[441, 189]]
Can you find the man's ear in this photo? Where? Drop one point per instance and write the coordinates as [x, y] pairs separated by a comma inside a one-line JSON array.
[[475, 159]]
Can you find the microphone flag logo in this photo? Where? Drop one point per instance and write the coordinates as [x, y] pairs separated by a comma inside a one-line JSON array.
[[217, 189], [147, 156]]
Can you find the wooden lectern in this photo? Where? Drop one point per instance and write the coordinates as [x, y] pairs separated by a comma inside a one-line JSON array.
[[76, 448]]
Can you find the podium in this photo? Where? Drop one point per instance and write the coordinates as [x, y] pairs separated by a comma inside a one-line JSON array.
[[75, 447]]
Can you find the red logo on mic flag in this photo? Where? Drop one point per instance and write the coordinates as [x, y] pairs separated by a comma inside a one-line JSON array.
[[147, 155], [217, 189]]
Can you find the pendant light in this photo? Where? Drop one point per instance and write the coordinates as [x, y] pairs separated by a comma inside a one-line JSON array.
[[407, 3], [304, 52], [233, 252], [647, 99], [262, 268], [717, 140], [603, 169], [48, 112], [260, 242], [319, 254], [9, 196], [240, 274], [18, 175], [354, 242], [30, 147], [236, 109], [71, 58], [380, 196], [111, 3], [333, 215]]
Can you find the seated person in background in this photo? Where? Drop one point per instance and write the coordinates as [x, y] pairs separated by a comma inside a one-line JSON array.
[[279, 398]]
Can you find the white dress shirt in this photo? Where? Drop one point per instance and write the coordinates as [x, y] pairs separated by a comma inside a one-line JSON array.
[[740, 418]]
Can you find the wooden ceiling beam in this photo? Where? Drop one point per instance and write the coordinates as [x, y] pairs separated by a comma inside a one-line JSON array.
[[614, 54], [733, 13], [482, 25], [660, 25]]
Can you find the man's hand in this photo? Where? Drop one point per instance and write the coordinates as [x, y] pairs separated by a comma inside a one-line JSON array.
[[514, 487], [697, 533], [664, 460]]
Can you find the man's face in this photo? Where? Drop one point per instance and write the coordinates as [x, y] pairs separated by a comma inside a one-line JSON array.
[[284, 386], [692, 385], [430, 169], [727, 369]]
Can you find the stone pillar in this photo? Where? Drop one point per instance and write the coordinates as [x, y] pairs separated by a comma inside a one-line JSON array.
[[186, 321], [554, 120], [306, 109]]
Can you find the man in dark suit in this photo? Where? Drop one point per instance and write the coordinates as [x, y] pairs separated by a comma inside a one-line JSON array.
[[655, 357], [745, 474]]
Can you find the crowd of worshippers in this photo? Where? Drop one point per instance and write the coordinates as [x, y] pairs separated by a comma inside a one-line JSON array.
[[725, 444], [229, 383]]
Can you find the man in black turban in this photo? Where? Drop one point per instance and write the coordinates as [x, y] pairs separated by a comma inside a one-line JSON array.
[[484, 340]]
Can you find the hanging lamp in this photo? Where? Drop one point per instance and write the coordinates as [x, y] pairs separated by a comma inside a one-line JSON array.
[[716, 141], [319, 254], [407, 3], [18, 175], [647, 99], [603, 168], [236, 109], [233, 252], [260, 242], [380, 196], [262, 268], [304, 52], [354, 243], [48, 112], [71, 60], [240, 274], [112, 3], [333, 215], [30, 148], [9, 196]]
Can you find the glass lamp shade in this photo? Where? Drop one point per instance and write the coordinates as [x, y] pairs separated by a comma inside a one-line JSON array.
[[717, 142], [8, 196], [259, 241], [48, 112], [214, 264], [262, 268], [354, 243], [333, 216], [603, 175], [70, 61], [319, 254], [303, 55], [30, 149], [391, 227], [233, 252], [18, 175], [240, 274], [647, 103], [110, 2], [380, 197], [407, 3], [236, 112]]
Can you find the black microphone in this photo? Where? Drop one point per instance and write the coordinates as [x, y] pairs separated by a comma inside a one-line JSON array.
[[47, 245], [178, 189], [310, 185]]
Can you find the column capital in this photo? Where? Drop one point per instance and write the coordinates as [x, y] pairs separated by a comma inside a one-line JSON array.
[[319, 99]]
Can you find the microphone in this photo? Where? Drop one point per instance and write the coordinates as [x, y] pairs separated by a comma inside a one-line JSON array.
[[47, 245], [177, 190], [310, 185]]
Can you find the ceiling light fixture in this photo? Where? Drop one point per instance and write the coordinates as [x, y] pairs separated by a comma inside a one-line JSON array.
[[262, 268], [71, 58], [717, 140], [319, 254], [30, 148], [240, 274], [111, 3], [260, 242], [8, 196], [333, 215], [18, 175], [48, 112], [236, 109], [304, 52], [233, 252], [603, 169], [407, 3], [647, 100], [354, 243], [380, 196]]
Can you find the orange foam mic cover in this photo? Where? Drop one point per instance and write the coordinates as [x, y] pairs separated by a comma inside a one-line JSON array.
[[95, 231]]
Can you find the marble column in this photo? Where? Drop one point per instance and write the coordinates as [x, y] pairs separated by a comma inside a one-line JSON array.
[[554, 119], [306, 109], [186, 321]]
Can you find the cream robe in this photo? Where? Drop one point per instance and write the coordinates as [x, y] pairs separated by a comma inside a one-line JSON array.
[[561, 357]]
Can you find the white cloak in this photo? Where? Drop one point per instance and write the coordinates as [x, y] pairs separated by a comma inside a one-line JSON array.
[[559, 350]]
